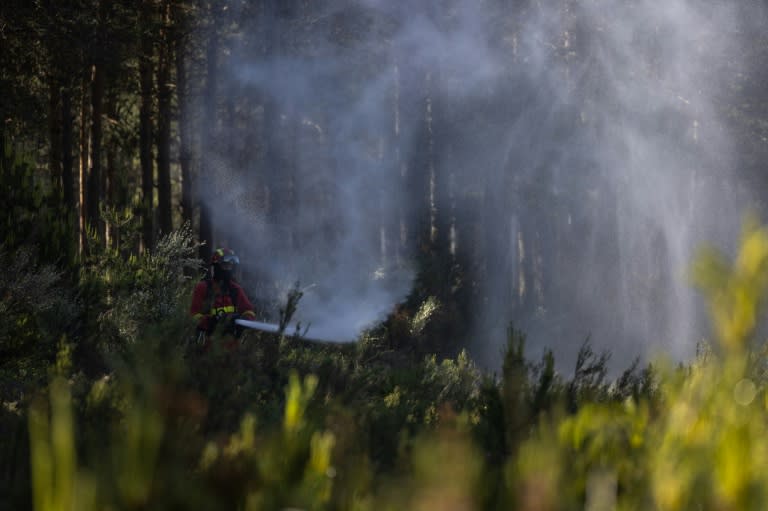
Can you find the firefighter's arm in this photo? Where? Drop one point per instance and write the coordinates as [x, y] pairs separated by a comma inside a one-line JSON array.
[[244, 305], [196, 309]]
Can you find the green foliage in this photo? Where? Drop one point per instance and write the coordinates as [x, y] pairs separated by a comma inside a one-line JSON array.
[[34, 215], [290, 467], [125, 292], [280, 423], [735, 293], [57, 482], [692, 442], [37, 310], [291, 303]]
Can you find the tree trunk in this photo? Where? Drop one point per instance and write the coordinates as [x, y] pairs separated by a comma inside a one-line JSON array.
[[185, 138], [145, 125], [400, 229], [282, 128], [94, 191], [112, 185], [271, 120], [67, 162], [419, 174], [208, 132], [164, 91], [54, 132], [84, 164]]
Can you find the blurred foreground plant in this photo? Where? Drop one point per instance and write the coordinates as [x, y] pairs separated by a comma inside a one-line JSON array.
[[711, 439], [683, 437], [291, 468], [735, 291], [57, 483], [700, 441]]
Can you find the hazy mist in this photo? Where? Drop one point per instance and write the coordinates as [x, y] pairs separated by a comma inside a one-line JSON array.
[[592, 133]]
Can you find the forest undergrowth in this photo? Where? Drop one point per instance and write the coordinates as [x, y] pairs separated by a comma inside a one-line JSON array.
[[107, 403]]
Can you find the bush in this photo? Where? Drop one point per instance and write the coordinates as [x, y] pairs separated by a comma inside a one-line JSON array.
[[37, 311]]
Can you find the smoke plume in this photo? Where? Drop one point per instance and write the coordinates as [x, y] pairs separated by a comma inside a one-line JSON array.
[[587, 138]]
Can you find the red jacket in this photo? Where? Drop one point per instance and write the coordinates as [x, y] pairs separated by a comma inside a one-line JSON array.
[[218, 301]]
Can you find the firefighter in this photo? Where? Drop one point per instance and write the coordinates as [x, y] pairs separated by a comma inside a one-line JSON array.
[[219, 299]]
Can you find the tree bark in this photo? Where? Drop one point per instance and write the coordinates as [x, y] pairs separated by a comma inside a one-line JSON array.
[[164, 92], [84, 164], [67, 162], [54, 132], [112, 185], [281, 130], [400, 229], [208, 132], [145, 125], [185, 138], [94, 191]]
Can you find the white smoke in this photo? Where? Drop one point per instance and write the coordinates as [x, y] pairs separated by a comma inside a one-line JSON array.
[[587, 133]]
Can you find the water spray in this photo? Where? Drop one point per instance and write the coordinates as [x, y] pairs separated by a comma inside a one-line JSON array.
[[297, 328]]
